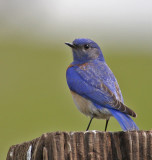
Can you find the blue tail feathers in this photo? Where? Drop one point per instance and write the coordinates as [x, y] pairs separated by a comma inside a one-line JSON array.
[[126, 123]]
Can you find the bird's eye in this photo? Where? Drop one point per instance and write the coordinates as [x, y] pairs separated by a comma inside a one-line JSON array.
[[86, 46]]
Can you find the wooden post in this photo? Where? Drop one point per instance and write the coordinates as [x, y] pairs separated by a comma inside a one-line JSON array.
[[91, 145]]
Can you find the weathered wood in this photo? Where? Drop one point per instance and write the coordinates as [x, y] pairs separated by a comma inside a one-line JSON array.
[[91, 145]]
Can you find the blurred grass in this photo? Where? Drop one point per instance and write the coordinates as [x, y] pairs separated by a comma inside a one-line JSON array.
[[35, 98]]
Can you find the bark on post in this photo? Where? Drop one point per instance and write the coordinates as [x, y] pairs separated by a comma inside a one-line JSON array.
[[91, 145]]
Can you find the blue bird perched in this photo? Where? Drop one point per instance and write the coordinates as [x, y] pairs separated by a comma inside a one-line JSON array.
[[94, 87]]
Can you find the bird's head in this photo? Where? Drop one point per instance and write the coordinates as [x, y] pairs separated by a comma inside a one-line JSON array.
[[85, 50]]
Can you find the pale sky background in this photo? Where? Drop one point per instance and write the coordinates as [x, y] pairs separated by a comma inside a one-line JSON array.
[[112, 22]]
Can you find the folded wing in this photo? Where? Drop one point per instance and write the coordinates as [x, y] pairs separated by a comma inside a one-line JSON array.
[[99, 94]]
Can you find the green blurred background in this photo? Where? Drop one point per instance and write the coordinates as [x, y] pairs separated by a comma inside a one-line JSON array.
[[35, 98]]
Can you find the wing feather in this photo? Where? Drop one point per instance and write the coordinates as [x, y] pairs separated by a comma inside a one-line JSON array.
[[116, 104], [89, 84]]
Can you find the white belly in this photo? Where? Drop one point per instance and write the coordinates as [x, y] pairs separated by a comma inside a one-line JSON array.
[[86, 107]]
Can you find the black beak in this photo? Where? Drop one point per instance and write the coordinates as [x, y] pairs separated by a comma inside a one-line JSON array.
[[70, 45]]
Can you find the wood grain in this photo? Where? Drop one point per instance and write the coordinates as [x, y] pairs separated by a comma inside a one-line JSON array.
[[91, 145]]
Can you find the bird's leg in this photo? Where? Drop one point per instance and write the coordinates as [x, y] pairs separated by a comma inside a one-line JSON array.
[[89, 123], [107, 120]]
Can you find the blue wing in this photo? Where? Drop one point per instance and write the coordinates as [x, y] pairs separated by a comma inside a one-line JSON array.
[[97, 83]]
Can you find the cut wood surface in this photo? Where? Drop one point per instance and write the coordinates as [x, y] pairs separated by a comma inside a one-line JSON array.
[[90, 145]]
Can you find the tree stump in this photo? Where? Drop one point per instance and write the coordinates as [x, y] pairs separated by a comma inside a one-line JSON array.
[[90, 145]]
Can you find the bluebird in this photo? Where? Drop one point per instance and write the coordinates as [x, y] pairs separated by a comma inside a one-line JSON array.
[[93, 86]]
